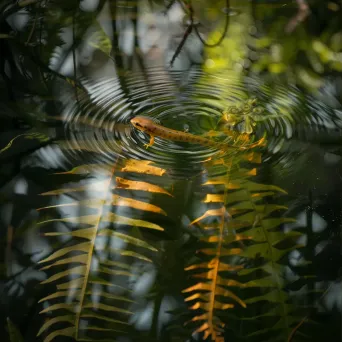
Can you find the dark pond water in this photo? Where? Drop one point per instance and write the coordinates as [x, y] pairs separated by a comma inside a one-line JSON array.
[[171, 170]]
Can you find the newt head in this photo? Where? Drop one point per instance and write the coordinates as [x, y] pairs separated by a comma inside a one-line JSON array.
[[142, 124]]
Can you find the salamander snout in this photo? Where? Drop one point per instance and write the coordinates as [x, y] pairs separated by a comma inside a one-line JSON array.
[[136, 122], [142, 123]]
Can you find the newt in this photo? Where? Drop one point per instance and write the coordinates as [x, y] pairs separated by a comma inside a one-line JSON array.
[[151, 128]]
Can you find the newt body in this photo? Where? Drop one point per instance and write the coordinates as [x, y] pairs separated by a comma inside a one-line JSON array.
[[151, 128]]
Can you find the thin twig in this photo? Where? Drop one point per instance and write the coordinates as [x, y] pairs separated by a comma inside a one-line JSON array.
[[181, 44], [169, 5], [306, 318], [32, 29], [186, 33], [225, 30], [188, 7], [293, 332], [303, 12]]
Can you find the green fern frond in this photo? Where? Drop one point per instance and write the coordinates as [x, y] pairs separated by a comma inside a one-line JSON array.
[[271, 245], [239, 228], [214, 269], [256, 219], [102, 247]]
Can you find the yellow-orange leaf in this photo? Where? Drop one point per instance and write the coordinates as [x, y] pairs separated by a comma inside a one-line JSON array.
[[223, 251], [198, 286], [213, 263], [220, 306], [253, 157], [203, 296], [226, 239], [252, 172], [223, 181], [214, 198], [127, 184], [142, 166], [129, 202], [82, 247], [200, 317], [212, 212], [118, 219]]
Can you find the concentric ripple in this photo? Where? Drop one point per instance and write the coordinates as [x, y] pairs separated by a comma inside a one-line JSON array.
[[194, 102]]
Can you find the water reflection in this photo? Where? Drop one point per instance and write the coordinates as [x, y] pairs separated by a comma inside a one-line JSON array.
[[208, 104], [232, 224], [182, 240]]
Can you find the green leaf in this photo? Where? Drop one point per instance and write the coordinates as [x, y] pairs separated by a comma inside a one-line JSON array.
[[78, 270], [68, 332], [52, 321], [14, 333], [127, 238], [82, 247], [122, 220]]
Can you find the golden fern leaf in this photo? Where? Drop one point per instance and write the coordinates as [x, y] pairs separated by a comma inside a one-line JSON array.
[[91, 298], [206, 295], [241, 215], [212, 294]]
